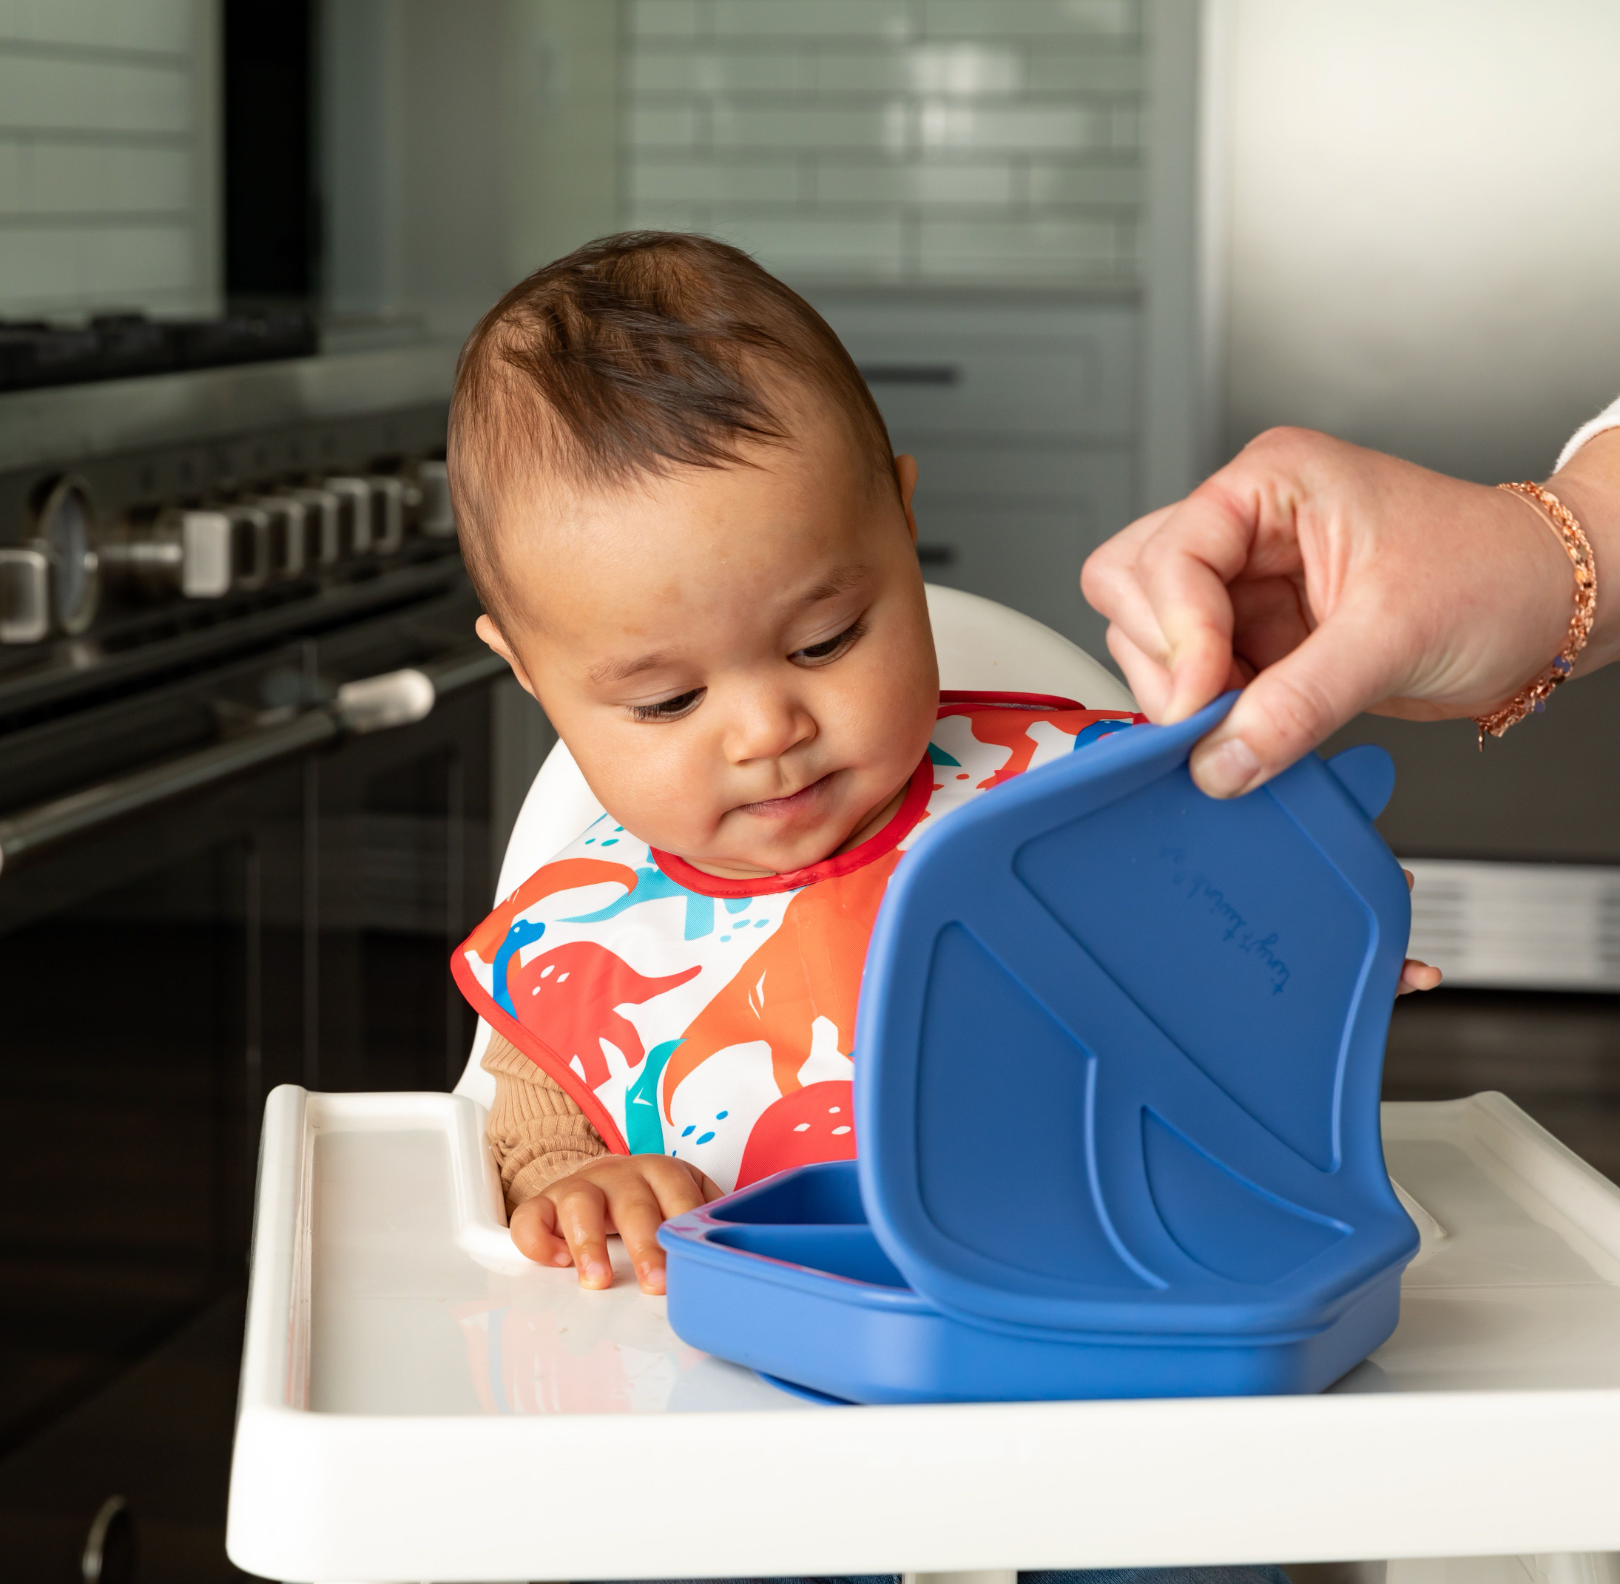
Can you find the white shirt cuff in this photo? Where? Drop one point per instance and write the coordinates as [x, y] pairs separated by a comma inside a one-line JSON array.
[[1609, 418]]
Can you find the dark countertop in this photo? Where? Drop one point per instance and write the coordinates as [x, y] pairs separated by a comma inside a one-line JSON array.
[[1557, 1056]]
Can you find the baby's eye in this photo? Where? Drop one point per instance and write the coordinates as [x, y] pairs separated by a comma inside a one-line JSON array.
[[668, 709], [829, 648]]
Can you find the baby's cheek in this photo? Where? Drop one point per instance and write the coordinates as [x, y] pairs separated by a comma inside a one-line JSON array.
[[667, 794]]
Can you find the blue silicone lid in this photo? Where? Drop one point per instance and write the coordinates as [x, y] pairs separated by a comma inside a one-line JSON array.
[[1120, 1047]]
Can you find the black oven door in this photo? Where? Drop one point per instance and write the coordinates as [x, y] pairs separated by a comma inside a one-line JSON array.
[[276, 905]]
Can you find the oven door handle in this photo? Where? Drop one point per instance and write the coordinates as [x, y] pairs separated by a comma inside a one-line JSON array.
[[396, 698]]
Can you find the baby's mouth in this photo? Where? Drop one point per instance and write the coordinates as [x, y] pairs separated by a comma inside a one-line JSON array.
[[795, 803]]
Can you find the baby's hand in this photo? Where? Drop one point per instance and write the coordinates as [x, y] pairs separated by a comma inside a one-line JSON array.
[[568, 1223], [1415, 975]]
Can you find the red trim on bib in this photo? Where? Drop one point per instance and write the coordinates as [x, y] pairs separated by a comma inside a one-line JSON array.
[[918, 791]]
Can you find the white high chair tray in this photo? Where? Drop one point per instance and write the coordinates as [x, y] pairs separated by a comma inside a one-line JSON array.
[[418, 1402]]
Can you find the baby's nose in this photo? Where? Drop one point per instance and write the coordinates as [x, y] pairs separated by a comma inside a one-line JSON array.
[[767, 727]]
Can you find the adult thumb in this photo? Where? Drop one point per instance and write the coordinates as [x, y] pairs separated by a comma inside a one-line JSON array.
[[1295, 703]]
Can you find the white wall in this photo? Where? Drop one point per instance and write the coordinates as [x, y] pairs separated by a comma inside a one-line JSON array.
[[109, 155], [1416, 234]]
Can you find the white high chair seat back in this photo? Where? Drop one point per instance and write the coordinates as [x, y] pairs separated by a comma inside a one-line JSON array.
[[981, 646]]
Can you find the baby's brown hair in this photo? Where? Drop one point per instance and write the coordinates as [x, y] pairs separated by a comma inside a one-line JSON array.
[[634, 354]]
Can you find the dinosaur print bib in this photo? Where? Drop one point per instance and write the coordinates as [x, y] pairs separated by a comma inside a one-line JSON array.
[[714, 1020]]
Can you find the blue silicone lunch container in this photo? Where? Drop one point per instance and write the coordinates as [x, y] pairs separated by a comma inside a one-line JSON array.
[[1116, 1096]]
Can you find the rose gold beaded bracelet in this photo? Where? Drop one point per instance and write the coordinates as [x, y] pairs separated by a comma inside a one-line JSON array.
[[1533, 698]]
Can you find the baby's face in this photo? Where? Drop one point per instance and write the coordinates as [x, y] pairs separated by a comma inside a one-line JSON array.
[[739, 658]]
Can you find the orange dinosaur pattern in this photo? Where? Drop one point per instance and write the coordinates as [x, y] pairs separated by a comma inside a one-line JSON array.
[[715, 1020]]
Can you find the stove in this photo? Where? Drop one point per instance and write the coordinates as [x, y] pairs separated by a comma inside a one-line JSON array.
[[36, 352], [246, 791]]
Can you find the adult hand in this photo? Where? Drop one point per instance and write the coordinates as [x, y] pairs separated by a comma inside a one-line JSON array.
[[568, 1223], [1324, 579]]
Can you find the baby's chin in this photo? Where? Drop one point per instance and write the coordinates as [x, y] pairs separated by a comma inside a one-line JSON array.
[[757, 854], [759, 861]]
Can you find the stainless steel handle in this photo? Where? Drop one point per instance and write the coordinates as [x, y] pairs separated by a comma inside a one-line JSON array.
[[396, 698], [35, 831]]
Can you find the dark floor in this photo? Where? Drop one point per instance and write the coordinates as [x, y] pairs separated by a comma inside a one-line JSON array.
[[160, 1437], [1557, 1056]]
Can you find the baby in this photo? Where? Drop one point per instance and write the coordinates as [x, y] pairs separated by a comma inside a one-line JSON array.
[[697, 551]]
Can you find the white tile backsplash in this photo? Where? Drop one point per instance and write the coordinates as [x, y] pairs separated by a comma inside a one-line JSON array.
[[1066, 70], [715, 181], [717, 71], [93, 95], [812, 128], [106, 137], [149, 26], [809, 125], [917, 183], [13, 179], [77, 178], [948, 124], [877, 19], [1039, 19], [1053, 183], [657, 126], [816, 246], [1034, 249], [666, 18]]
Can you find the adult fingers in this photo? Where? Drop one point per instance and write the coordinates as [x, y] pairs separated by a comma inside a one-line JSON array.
[[1292, 705], [582, 1220], [533, 1226], [1148, 681], [1111, 583], [1184, 570]]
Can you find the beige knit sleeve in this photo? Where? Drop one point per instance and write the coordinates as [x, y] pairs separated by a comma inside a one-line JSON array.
[[537, 1132]]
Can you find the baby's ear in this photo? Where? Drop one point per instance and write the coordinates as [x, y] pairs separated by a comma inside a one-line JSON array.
[[905, 475], [496, 639]]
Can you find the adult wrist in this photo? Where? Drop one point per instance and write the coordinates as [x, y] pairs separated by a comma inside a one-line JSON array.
[[1589, 485]]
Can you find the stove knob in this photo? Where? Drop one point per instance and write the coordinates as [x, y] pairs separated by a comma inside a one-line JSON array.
[[251, 558], [387, 513], [176, 552], [63, 527], [25, 596], [289, 533], [435, 517], [323, 523], [354, 514]]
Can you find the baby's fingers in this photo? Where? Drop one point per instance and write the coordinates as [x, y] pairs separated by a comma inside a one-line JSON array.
[[582, 1220], [636, 1218], [534, 1230], [679, 1186], [1415, 975]]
